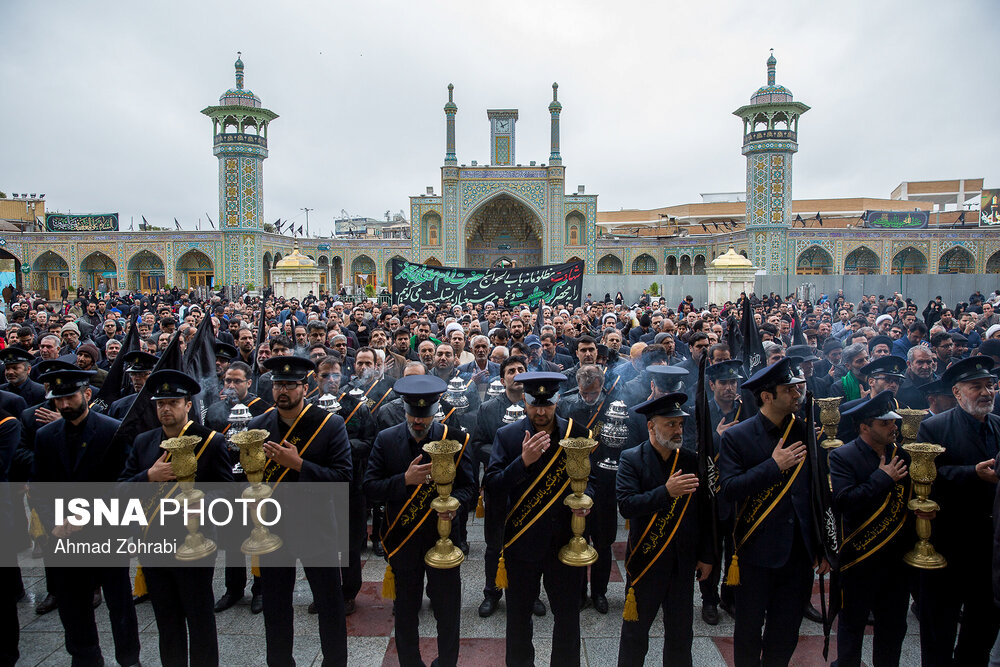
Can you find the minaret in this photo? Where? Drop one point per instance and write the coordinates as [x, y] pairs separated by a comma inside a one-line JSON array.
[[239, 129], [554, 109], [770, 139], [450, 109]]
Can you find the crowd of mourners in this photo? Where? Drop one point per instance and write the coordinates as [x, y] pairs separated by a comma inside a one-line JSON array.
[[509, 381]]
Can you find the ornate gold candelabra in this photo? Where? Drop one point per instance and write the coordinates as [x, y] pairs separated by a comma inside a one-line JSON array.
[[911, 423], [829, 417], [923, 472], [184, 465], [577, 552], [251, 444], [444, 555]]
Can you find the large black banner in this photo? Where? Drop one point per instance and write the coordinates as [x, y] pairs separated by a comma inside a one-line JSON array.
[[417, 284], [99, 222]]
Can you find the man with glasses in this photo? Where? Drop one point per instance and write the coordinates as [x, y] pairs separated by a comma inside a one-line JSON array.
[[361, 432]]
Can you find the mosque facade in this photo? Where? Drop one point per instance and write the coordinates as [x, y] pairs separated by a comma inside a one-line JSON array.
[[508, 213]]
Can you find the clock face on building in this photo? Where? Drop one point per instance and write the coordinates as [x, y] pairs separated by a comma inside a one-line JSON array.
[[503, 125]]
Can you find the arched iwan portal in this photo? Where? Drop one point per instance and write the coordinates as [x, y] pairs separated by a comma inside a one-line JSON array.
[[502, 228], [195, 269]]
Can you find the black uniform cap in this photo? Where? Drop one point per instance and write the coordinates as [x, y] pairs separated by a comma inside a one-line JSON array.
[[289, 369], [668, 405], [541, 388], [889, 365], [779, 373], [16, 355], [66, 381], [168, 383], [420, 393], [880, 406], [973, 368], [139, 362], [225, 351], [725, 370]]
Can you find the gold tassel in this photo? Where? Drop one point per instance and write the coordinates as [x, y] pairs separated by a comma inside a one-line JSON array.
[[501, 580], [255, 565], [628, 526], [733, 576], [35, 528], [631, 612], [480, 510], [389, 584], [139, 588]]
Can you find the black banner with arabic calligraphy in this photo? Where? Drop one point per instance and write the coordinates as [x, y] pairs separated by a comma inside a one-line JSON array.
[[62, 222], [417, 284]]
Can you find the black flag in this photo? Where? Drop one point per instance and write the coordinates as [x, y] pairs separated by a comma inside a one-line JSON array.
[[819, 219], [824, 522], [798, 338], [752, 353], [177, 224], [199, 363], [210, 220], [117, 383], [145, 225], [141, 416], [539, 318], [261, 337], [708, 472]]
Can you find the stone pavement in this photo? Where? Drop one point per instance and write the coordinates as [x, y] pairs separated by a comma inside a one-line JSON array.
[[370, 637]]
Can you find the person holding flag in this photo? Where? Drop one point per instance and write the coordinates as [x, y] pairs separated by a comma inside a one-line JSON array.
[[765, 471], [182, 597], [670, 534]]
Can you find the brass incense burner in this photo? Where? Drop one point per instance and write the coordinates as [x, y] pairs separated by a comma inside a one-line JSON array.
[[577, 553], [251, 444], [923, 472], [184, 465], [911, 423], [444, 555], [829, 417]]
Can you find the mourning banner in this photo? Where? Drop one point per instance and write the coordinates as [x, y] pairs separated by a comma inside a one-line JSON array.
[[417, 284], [100, 222]]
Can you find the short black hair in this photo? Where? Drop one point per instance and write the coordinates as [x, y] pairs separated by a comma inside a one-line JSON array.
[[512, 359]]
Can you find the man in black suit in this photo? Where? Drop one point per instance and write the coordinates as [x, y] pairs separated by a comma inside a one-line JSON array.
[[489, 419], [588, 406], [965, 488], [182, 596], [237, 382], [361, 431], [763, 469], [670, 538], [871, 488], [309, 445], [138, 366], [16, 368], [527, 461], [399, 475], [76, 448]]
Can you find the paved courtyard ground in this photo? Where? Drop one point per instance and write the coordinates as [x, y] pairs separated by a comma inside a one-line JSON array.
[[370, 630]]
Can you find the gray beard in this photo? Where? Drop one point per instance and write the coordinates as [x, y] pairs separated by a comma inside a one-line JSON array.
[[669, 444]]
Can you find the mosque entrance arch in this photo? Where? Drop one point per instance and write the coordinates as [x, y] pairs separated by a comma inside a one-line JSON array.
[[503, 228]]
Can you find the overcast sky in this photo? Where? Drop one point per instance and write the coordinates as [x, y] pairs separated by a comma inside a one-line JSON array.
[[102, 99]]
